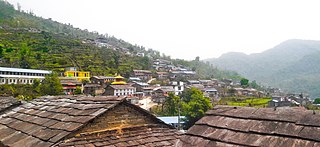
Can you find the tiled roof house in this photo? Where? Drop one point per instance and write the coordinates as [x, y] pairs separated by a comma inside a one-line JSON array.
[[245, 126], [83, 121]]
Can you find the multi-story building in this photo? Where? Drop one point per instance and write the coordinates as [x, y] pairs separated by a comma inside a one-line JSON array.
[[21, 76], [178, 87], [143, 74], [119, 88], [79, 75]]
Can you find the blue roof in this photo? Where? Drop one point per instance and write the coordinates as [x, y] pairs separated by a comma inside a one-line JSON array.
[[171, 119]]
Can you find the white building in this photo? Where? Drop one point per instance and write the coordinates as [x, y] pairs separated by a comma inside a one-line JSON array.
[[178, 87], [21, 76]]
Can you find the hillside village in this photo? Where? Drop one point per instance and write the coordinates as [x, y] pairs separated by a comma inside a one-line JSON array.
[[63, 86]]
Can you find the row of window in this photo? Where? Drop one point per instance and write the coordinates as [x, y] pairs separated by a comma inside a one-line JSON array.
[[20, 73], [119, 94], [16, 81], [123, 90]]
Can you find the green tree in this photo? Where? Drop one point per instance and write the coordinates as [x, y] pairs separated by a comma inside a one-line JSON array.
[[244, 82], [172, 105], [316, 101], [36, 86], [254, 84], [1, 50], [78, 90], [51, 85], [194, 105]]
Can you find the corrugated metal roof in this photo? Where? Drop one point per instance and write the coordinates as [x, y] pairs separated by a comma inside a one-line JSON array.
[[24, 70], [22, 77], [171, 119]]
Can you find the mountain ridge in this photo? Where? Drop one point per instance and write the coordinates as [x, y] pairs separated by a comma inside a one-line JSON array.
[[278, 65]]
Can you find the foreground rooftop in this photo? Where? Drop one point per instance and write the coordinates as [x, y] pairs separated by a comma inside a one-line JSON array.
[[246, 126]]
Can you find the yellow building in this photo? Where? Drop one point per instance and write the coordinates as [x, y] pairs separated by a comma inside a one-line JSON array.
[[80, 75], [119, 81]]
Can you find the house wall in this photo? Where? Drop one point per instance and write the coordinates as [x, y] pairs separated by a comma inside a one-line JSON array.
[[109, 91], [122, 115]]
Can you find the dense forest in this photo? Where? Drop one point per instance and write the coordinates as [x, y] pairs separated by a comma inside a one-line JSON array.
[[28, 41]]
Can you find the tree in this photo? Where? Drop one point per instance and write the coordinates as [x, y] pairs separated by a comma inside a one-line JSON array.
[[244, 82], [316, 101], [78, 90], [254, 84], [194, 105], [36, 86], [51, 85], [171, 105]]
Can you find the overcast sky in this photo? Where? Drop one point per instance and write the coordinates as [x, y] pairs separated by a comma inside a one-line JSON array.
[[189, 28]]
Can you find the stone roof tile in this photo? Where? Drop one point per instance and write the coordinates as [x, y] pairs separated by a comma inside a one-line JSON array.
[[244, 126], [148, 135], [47, 120]]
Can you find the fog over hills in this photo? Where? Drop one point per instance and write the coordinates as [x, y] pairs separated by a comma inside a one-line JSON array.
[[293, 65]]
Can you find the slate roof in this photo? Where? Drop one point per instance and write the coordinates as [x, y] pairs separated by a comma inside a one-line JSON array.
[[8, 102], [48, 120], [245, 126], [132, 136]]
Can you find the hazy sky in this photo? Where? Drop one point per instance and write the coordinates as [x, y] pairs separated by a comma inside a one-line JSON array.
[[189, 28]]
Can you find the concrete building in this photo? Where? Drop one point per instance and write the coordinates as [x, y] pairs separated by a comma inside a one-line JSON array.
[[21, 76]]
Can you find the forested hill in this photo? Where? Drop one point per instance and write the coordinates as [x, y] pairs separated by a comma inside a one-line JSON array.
[[293, 65], [28, 41]]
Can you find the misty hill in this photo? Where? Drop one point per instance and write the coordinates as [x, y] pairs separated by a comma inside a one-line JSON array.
[[293, 65], [29, 41]]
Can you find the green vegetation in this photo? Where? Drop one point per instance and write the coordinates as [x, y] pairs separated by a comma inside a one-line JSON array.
[[78, 90], [245, 101], [51, 85], [244, 82], [192, 104], [316, 101]]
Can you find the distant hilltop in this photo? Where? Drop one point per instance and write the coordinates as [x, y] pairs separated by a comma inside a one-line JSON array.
[[293, 65]]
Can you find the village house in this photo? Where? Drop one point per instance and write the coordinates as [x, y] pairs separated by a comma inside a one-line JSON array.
[[139, 86], [140, 54], [119, 88], [191, 82], [247, 126], [143, 74], [101, 42], [160, 95], [79, 75], [162, 75], [210, 92], [102, 80], [93, 89], [198, 86], [134, 79], [20, 75], [182, 73], [69, 85], [83, 121], [178, 86], [207, 83]]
